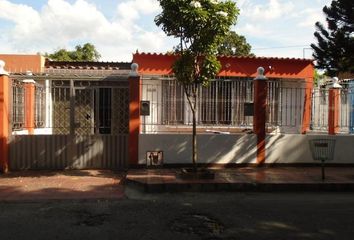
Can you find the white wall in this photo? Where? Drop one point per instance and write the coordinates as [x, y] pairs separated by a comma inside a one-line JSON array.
[[294, 148], [241, 148], [151, 91], [212, 148]]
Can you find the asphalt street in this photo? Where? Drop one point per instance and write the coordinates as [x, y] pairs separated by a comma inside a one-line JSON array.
[[230, 216]]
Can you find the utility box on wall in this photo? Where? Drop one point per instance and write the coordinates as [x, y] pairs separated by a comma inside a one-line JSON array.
[[154, 158], [248, 109], [145, 108]]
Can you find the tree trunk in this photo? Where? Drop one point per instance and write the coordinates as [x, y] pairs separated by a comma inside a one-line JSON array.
[[194, 141], [193, 107]]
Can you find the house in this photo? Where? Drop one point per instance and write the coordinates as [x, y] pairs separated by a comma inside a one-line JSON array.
[[222, 104], [223, 108], [114, 115]]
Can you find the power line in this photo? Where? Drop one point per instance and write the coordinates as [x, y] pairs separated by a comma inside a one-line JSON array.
[[293, 46]]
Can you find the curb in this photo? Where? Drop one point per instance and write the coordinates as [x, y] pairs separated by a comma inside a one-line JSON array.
[[239, 187]]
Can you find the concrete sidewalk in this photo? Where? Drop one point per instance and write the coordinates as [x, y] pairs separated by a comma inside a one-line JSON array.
[[105, 184], [246, 179], [60, 185]]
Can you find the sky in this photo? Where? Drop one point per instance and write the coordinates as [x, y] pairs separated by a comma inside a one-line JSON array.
[[118, 28]]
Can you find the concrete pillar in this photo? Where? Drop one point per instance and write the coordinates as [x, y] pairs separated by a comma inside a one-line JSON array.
[[259, 119], [134, 114], [4, 118], [334, 107], [29, 104]]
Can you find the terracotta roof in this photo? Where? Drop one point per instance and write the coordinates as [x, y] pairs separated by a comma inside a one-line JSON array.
[[233, 57], [88, 65]]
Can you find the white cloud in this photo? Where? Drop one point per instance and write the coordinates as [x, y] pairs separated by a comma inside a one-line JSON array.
[[253, 29], [131, 10], [62, 24], [308, 17], [274, 9], [279, 25]]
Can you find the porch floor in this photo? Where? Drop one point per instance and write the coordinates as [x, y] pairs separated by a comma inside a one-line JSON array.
[[61, 185], [246, 179]]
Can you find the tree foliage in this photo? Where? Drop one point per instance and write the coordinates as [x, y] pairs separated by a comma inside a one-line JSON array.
[[235, 45], [335, 47], [87, 52], [201, 27]]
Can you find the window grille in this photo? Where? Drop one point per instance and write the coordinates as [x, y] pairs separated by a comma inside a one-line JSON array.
[[222, 103], [40, 104], [100, 107], [18, 106], [225, 103], [61, 106]]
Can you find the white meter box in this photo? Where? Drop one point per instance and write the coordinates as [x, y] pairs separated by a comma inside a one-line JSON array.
[[154, 158]]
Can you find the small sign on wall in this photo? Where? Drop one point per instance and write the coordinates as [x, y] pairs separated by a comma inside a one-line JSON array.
[[145, 108], [154, 158], [248, 109]]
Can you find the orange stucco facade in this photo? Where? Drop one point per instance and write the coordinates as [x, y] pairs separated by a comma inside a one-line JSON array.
[[161, 64], [4, 122], [333, 110], [29, 106], [134, 118], [259, 120], [20, 63]]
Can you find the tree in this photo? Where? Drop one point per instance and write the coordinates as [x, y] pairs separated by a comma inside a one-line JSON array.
[[335, 47], [87, 52], [200, 26], [235, 45], [318, 78]]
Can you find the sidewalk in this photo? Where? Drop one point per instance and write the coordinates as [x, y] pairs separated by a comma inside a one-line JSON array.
[[105, 184], [60, 185], [246, 179]]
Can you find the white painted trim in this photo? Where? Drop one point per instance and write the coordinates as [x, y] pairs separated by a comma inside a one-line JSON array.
[[2, 70]]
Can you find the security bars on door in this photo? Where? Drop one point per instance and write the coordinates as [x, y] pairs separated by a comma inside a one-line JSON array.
[[81, 107], [90, 107]]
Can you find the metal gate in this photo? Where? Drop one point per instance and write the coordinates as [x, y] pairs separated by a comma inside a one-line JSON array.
[[86, 126]]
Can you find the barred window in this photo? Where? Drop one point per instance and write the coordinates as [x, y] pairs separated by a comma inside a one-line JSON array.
[[219, 103], [172, 102], [39, 117], [18, 106], [216, 103]]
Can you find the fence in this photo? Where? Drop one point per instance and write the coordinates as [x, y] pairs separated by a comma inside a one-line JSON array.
[[320, 109], [79, 123], [83, 107], [226, 104], [101, 107]]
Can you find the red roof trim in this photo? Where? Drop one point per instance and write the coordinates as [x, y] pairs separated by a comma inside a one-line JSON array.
[[231, 57]]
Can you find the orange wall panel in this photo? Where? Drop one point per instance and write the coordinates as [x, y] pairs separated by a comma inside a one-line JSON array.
[[160, 64], [22, 63], [4, 122]]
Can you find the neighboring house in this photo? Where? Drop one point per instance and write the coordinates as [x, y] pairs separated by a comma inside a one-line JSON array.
[[347, 102], [67, 114], [320, 105]]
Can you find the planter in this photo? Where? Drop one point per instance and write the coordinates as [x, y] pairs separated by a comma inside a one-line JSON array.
[[191, 173]]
